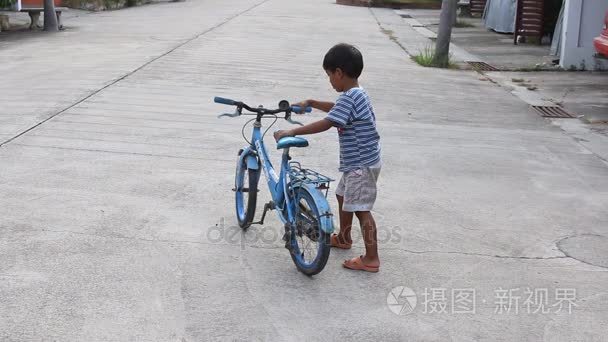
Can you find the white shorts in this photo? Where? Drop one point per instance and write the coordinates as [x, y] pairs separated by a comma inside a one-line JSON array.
[[358, 187]]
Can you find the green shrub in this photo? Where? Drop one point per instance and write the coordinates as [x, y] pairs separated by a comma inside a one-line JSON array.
[[426, 58]]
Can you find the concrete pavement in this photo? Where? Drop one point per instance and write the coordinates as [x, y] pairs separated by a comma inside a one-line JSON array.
[[117, 215]]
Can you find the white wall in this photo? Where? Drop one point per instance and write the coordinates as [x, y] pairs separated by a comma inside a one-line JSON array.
[[583, 21]]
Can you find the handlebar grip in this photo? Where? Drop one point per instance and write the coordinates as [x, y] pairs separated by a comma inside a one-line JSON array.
[[298, 109], [222, 100]]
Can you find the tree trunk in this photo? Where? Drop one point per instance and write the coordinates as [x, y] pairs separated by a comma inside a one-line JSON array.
[[442, 48], [50, 18]]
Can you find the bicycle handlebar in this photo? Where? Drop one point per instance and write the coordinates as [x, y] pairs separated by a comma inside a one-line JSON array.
[[298, 109], [222, 100], [262, 110]]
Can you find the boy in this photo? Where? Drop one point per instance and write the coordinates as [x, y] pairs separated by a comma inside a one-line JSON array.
[[353, 116]]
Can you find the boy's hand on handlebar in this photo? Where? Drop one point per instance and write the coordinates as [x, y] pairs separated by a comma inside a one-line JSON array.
[[303, 105], [283, 133]]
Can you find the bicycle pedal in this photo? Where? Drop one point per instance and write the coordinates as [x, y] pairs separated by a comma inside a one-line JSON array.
[[270, 205], [244, 190], [287, 237], [288, 245]]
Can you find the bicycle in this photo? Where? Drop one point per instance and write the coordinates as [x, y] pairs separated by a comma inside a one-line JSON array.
[[296, 192]]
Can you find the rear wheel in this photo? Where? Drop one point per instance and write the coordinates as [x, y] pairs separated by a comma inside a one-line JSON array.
[[246, 191], [309, 244]]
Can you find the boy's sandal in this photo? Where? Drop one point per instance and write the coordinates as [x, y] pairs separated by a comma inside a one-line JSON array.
[[358, 265], [334, 242]]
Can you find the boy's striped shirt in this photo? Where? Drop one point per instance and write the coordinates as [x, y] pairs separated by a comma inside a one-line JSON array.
[[354, 117]]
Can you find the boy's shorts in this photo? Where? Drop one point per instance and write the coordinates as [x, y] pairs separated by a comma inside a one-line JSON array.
[[358, 187]]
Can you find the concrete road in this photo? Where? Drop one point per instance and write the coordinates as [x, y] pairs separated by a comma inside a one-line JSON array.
[[117, 215]]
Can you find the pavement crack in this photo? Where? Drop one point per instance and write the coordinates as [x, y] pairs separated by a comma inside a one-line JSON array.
[[389, 33], [123, 237], [134, 238], [115, 81], [276, 247], [123, 153], [478, 254]]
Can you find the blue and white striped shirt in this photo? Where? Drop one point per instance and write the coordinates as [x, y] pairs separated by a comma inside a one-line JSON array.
[[354, 117]]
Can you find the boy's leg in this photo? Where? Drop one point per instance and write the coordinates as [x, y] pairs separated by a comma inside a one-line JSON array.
[[369, 231], [359, 196], [346, 222]]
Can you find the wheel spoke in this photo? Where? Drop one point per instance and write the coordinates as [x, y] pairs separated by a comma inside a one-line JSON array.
[[307, 226], [310, 245]]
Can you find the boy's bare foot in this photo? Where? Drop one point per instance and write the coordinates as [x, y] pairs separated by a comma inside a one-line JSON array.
[[375, 262], [338, 241], [359, 264]]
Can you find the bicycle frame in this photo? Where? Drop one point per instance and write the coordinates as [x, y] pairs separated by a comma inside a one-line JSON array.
[[255, 156]]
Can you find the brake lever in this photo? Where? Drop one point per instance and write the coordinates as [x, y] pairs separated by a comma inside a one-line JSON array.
[[294, 121], [236, 113], [233, 115]]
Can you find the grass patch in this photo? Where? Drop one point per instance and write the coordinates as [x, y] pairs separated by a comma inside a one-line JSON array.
[[426, 58]]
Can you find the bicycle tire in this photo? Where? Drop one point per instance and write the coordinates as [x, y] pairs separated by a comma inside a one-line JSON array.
[[245, 212], [323, 244]]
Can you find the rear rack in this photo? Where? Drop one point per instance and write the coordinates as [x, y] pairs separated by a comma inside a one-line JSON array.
[[299, 175]]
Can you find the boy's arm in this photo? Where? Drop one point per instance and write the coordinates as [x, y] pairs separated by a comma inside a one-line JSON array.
[[312, 128], [320, 105]]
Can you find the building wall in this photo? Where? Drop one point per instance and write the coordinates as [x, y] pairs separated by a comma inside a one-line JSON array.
[[583, 21]]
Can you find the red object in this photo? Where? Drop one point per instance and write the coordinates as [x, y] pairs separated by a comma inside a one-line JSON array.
[[37, 3], [601, 42]]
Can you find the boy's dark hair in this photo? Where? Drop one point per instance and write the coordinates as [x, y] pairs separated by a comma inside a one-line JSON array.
[[346, 57]]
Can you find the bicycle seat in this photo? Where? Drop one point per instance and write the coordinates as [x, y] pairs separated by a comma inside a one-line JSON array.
[[287, 142]]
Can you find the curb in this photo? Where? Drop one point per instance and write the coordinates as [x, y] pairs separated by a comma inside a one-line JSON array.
[[360, 3]]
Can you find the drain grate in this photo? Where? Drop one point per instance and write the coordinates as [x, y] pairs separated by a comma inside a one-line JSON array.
[[406, 16], [482, 66], [552, 112]]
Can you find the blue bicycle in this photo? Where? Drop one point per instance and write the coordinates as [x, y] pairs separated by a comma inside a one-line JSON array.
[[299, 195]]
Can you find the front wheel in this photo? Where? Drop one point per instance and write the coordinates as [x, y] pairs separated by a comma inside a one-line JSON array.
[[309, 244], [246, 192]]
